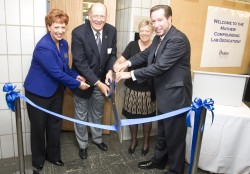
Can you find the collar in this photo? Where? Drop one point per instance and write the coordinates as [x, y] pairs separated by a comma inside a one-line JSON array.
[[94, 32], [162, 37]]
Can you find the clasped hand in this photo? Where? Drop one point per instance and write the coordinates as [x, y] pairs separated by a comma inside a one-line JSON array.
[[119, 68], [104, 87], [83, 84]]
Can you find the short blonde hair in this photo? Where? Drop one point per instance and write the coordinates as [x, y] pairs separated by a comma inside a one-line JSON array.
[[145, 23]]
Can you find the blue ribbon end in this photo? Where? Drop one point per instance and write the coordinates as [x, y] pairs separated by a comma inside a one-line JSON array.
[[11, 95]]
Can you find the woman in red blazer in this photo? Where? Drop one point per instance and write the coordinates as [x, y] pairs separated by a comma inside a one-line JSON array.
[[49, 73]]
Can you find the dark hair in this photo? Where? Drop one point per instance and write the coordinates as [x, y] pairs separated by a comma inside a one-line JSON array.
[[167, 9], [56, 15]]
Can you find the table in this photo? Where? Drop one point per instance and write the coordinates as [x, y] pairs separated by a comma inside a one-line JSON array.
[[226, 143]]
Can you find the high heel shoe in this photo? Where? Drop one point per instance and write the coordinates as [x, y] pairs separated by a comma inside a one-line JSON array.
[[144, 151], [131, 150]]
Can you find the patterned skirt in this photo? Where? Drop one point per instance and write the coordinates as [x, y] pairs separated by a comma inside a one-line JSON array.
[[138, 104]]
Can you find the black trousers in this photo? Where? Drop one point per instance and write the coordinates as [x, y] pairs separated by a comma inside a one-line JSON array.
[[171, 143], [45, 128]]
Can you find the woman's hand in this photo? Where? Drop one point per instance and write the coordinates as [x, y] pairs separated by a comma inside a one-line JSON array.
[[80, 78], [122, 75], [119, 67], [84, 86]]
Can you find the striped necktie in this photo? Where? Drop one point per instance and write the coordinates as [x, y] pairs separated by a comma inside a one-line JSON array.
[[98, 42]]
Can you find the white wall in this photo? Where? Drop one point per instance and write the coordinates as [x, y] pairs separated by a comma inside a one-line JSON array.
[[21, 26]]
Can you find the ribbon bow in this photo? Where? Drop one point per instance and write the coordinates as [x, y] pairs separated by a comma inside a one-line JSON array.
[[196, 106], [11, 95]]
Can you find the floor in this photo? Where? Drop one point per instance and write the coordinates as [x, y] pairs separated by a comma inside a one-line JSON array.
[[114, 161]]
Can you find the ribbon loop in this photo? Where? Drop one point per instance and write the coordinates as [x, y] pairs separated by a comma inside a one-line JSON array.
[[11, 95], [197, 105], [209, 105]]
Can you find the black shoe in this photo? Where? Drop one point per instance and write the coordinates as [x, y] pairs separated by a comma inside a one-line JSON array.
[[83, 153], [38, 167], [150, 165], [59, 163], [101, 146], [144, 151], [131, 150]]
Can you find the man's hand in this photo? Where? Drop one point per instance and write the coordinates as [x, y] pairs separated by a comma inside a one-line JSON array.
[[122, 75], [103, 87], [84, 86], [119, 67], [109, 77]]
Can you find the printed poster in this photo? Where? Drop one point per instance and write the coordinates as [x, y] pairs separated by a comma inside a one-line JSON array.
[[225, 37]]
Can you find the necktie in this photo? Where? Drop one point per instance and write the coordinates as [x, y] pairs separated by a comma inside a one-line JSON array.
[[98, 42], [158, 46]]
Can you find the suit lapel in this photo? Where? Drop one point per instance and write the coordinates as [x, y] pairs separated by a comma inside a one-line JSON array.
[[161, 46], [104, 44], [92, 41], [154, 45], [60, 54]]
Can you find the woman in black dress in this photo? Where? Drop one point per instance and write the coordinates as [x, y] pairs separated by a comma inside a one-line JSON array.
[[138, 101]]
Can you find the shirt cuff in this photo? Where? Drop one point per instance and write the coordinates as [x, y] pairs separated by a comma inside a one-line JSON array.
[[129, 63], [133, 75]]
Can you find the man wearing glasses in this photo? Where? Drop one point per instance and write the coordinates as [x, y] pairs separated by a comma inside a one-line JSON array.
[[94, 53]]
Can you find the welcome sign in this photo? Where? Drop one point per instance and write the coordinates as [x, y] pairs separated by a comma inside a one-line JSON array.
[[225, 37]]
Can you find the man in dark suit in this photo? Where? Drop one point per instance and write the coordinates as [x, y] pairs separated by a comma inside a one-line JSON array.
[[168, 60], [94, 53]]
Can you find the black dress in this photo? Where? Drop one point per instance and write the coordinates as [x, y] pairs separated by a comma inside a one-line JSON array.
[[138, 100]]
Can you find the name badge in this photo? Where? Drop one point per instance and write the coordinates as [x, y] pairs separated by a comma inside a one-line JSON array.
[[109, 50]]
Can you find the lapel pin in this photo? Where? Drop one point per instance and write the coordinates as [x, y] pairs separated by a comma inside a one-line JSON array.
[[65, 55]]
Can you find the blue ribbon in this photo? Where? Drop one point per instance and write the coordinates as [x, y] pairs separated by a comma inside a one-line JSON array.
[[196, 106], [112, 98], [126, 122], [11, 95]]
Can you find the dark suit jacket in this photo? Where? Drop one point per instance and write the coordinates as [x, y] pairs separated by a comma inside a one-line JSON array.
[[170, 69], [86, 59], [49, 68]]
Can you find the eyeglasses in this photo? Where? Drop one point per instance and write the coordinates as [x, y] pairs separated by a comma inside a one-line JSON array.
[[98, 17]]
